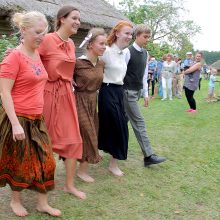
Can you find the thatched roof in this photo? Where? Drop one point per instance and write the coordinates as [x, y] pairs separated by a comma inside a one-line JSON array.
[[216, 65], [93, 12]]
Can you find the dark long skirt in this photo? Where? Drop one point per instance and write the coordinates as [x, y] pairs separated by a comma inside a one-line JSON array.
[[26, 164], [113, 128]]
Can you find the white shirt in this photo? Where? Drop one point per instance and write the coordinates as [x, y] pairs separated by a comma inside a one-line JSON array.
[[115, 65], [127, 55]]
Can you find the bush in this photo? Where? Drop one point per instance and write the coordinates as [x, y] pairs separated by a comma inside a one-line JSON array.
[[7, 42]]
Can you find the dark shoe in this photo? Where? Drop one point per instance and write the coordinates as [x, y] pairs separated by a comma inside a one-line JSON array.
[[153, 159]]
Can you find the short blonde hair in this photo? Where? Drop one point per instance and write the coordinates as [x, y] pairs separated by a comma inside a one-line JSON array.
[[27, 19], [141, 28]]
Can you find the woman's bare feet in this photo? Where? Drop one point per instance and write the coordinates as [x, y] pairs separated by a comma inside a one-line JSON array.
[[85, 177], [49, 210], [75, 192], [116, 171], [18, 209]]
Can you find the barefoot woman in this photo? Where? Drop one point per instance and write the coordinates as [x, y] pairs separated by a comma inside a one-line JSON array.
[[57, 52], [26, 158]]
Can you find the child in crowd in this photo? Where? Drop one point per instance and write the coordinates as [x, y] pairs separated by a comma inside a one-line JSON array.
[[211, 84]]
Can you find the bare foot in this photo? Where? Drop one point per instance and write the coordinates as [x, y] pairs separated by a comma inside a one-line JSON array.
[[49, 210], [18, 209], [75, 192], [85, 177], [116, 171]]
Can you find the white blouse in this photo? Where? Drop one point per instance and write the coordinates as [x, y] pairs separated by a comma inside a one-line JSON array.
[[115, 65]]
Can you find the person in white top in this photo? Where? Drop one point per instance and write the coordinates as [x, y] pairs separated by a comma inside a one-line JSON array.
[[168, 71], [113, 128]]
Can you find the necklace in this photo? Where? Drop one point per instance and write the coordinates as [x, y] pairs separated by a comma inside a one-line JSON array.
[[62, 38]]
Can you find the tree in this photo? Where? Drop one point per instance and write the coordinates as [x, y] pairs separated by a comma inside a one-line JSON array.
[[164, 19]]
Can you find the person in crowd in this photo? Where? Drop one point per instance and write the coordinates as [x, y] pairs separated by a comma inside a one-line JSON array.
[[211, 85], [178, 79], [57, 52], [88, 78], [168, 71], [113, 129], [135, 80], [188, 62], [152, 77], [191, 83], [26, 157], [159, 75]]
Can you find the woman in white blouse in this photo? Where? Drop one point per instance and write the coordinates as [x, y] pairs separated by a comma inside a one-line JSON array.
[[113, 130], [168, 71]]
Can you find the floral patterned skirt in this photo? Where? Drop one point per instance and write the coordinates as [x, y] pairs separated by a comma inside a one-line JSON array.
[[26, 164]]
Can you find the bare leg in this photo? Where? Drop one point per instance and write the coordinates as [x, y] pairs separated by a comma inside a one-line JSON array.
[[16, 205], [113, 167], [69, 187], [43, 206], [83, 173]]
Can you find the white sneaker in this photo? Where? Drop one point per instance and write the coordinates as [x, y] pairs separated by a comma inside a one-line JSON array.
[[170, 99], [163, 99]]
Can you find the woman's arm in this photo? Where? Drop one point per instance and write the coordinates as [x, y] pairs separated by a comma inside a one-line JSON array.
[[6, 86], [193, 68]]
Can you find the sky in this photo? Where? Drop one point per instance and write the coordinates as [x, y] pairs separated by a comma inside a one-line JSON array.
[[204, 13]]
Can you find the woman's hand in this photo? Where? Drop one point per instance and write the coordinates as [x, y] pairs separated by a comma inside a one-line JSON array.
[[18, 132]]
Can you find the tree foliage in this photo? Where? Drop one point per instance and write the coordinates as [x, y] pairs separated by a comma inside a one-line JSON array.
[[7, 42], [211, 57], [165, 18]]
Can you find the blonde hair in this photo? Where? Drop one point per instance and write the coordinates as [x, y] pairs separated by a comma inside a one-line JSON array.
[[141, 28], [27, 19], [112, 36], [95, 33]]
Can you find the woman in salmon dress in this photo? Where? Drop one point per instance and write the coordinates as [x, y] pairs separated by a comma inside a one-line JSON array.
[[57, 53]]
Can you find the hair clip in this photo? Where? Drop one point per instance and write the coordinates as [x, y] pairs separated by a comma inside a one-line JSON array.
[[87, 38]]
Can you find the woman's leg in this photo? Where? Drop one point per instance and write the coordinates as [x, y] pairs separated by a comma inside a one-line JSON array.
[[189, 96], [83, 172], [113, 167], [69, 187], [164, 86], [16, 205], [169, 85], [43, 206]]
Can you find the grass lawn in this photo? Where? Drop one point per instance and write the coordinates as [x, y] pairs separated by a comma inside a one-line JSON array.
[[187, 186]]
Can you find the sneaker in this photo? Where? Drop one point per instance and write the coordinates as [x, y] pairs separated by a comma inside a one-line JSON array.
[[170, 99], [163, 99], [193, 111], [153, 159], [189, 110]]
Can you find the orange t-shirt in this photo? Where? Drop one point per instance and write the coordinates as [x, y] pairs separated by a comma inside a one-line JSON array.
[[58, 57], [30, 78]]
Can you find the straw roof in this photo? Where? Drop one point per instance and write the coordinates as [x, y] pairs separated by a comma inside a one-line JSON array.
[[93, 12], [216, 65]]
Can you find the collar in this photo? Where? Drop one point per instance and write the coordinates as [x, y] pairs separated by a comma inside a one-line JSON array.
[[137, 47], [117, 49], [84, 57]]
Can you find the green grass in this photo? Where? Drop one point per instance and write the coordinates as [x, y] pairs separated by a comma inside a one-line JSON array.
[[187, 186]]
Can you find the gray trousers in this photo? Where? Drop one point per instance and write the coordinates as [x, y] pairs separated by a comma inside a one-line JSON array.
[[136, 119]]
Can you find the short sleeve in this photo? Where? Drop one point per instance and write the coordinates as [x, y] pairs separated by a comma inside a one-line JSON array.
[[43, 46], [9, 67]]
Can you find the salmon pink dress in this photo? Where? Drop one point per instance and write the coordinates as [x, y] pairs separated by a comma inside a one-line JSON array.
[[60, 112]]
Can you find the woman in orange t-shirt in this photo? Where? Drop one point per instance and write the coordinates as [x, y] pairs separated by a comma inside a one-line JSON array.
[[57, 53], [26, 157]]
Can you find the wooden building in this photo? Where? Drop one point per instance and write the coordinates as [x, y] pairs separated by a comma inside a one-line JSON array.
[[94, 13]]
